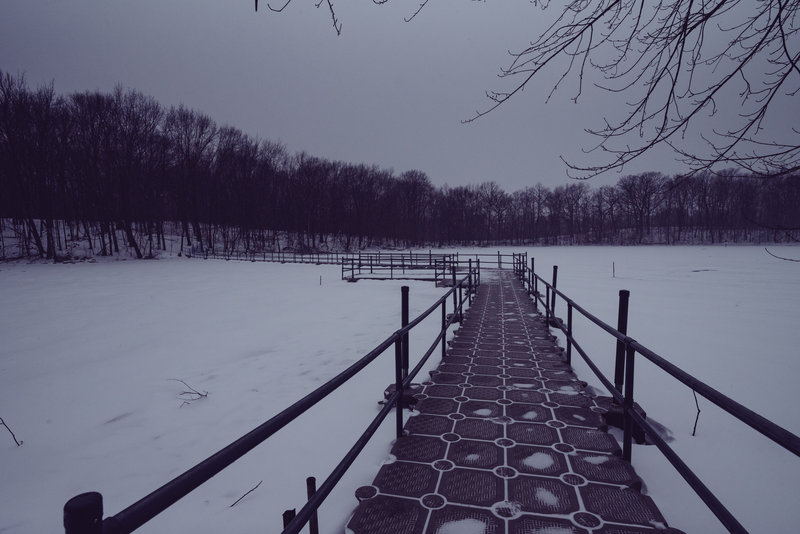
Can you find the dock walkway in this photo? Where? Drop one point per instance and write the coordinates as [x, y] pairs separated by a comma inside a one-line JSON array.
[[504, 439]]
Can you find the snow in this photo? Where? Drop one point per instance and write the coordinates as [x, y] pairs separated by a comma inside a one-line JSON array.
[[89, 352], [554, 530], [596, 460], [546, 497], [463, 526], [483, 412], [531, 415], [539, 460]]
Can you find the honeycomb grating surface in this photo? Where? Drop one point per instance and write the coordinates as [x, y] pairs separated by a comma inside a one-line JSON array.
[[505, 439]]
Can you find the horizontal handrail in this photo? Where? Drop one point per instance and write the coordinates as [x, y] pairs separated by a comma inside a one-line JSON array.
[[776, 433], [159, 500], [145, 509]]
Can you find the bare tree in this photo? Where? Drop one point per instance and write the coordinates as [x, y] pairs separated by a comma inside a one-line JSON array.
[[675, 63], [708, 78]]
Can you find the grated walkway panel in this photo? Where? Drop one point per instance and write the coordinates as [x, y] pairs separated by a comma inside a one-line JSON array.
[[505, 439]]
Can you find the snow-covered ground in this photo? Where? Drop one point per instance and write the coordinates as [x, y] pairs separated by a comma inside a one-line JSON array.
[[89, 351]]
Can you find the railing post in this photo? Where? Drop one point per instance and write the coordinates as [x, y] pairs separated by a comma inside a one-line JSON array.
[[555, 280], [469, 289], [547, 304], [622, 327], [404, 323], [628, 406], [478, 270], [398, 384], [460, 303], [569, 332], [288, 515], [455, 297], [531, 284], [311, 489], [444, 328], [499, 261], [83, 514]]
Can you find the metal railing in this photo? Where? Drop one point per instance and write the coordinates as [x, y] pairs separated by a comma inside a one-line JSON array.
[[622, 389], [378, 265], [283, 256], [394, 265], [83, 514], [410, 266]]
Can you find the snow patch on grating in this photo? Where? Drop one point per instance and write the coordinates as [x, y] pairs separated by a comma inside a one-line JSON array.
[[539, 460], [546, 497], [463, 526]]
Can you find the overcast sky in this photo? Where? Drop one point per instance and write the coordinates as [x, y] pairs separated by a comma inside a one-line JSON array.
[[385, 92]]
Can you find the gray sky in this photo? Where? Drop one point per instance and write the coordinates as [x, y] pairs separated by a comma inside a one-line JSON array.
[[385, 92]]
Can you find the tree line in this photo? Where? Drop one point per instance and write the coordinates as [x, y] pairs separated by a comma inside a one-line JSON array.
[[119, 171]]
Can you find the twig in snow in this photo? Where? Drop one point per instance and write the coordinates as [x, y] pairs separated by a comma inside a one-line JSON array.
[[246, 494], [191, 395], [780, 257], [19, 443], [694, 430]]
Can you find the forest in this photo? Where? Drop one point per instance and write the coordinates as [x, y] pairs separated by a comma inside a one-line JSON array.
[[120, 173]]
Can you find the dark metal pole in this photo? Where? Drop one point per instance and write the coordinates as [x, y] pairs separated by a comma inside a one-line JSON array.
[[455, 297], [311, 489], [444, 328], [288, 515], [398, 384], [531, 284], [628, 422], [569, 332], [469, 293], [460, 303], [404, 323], [547, 304], [555, 281], [622, 327], [83, 514]]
